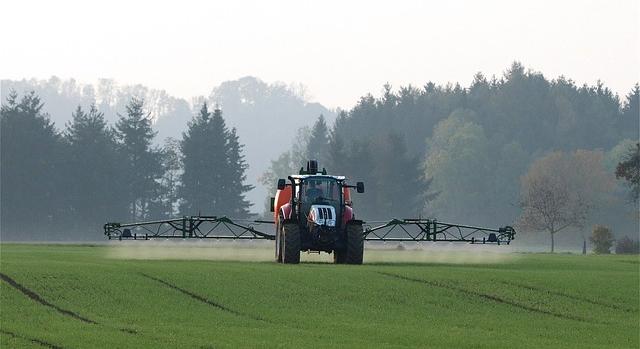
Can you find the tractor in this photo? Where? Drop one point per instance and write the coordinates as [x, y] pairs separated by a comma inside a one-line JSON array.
[[313, 212]]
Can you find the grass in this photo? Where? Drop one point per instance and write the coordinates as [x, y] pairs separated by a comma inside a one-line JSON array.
[[533, 301]]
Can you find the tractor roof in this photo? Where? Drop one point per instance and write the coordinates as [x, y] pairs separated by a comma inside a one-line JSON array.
[[302, 177]]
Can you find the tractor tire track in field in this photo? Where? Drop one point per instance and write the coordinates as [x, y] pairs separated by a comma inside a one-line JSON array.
[[486, 296], [33, 340], [569, 296], [200, 298], [36, 297]]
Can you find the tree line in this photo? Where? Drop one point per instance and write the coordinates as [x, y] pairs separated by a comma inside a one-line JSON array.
[[462, 154], [66, 184]]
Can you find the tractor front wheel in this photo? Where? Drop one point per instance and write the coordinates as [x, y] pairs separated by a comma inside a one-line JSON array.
[[288, 244], [354, 252]]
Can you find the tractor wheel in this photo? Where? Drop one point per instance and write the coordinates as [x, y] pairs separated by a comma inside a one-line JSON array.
[[354, 252], [289, 244]]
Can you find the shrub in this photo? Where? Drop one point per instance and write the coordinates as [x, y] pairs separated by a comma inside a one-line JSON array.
[[602, 239], [627, 245]]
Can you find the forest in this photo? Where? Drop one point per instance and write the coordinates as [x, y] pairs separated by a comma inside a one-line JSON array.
[[461, 154]]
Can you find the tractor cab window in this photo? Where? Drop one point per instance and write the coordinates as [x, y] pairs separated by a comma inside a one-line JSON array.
[[320, 191]]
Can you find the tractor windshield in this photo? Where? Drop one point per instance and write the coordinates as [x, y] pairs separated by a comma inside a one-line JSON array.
[[320, 190]]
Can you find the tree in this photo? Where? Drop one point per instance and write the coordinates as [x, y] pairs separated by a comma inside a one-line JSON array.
[[165, 204], [337, 153], [561, 190], [458, 161], [142, 166], [214, 168], [318, 143], [602, 240], [629, 170], [32, 195], [628, 123], [95, 184], [203, 148], [236, 201]]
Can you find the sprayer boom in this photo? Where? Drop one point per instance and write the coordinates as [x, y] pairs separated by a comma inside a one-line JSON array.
[[212, 227]]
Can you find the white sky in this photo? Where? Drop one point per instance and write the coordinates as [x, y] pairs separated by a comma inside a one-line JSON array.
[[340, 50]]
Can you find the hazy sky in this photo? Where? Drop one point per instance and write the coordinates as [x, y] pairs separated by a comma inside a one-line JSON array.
[[340, 50]]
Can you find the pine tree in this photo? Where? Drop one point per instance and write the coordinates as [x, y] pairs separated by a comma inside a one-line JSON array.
[[95, 185], [32, 198], [628, 123], [142, 167], [318, 145], [204, 160], [237, 203], [337, 159], [214, 168]]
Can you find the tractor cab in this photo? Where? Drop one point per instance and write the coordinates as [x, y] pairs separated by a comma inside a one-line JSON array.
[[319, 190], [321, 197], [313, 194]]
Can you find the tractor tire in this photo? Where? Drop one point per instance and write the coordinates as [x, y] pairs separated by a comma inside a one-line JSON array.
[[279, 243], [290, 244], [339, 256], [354, 252]]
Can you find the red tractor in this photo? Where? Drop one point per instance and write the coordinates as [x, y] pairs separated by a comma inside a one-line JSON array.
[[313, 212]]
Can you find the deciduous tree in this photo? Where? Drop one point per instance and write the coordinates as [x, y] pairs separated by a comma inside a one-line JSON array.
[[602, 239], [629, 170], [560, 191]]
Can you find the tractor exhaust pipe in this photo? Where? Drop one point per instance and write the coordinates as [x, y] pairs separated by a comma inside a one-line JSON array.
[[312, 167]]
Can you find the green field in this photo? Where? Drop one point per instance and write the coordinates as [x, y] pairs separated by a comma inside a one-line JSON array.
[[82, 297]]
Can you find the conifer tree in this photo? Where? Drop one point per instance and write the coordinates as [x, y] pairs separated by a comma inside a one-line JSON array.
[[214, 168], [142, 168], [203, 161], [32, 198], [95, 185], [318, 144], [237, 203]]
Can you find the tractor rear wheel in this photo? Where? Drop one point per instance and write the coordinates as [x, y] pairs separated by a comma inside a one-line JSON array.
[[289, 244], [354, 252]]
